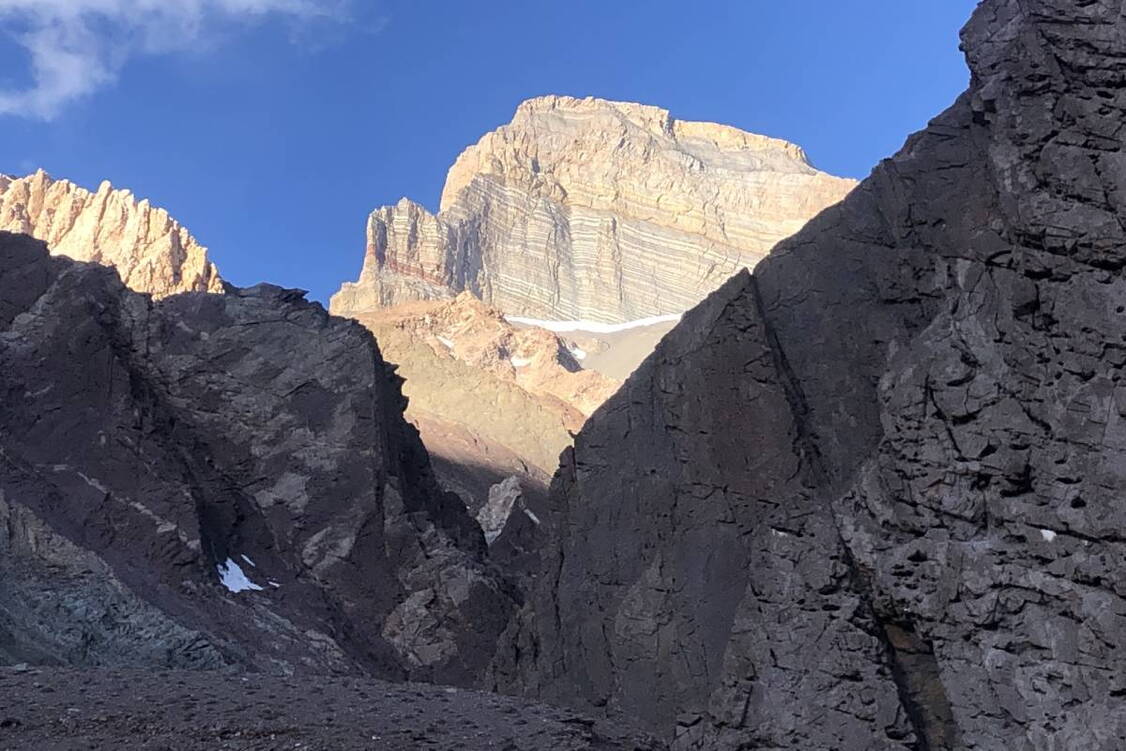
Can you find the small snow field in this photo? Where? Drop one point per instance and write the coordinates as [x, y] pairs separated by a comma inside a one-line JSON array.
[[234, 578], [593, 327]]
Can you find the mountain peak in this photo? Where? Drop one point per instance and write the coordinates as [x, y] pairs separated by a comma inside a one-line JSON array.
[[152, 252], [659, 122], [595, 210]]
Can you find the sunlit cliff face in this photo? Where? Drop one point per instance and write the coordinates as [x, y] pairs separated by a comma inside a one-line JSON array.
[[584, 209]]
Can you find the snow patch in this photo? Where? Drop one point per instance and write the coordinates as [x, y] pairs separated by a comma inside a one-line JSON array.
[[247, 559], [1048, 535], [594, 327], [577, 352], [447, 343], [233, 578], [520, 362], [535, 519]]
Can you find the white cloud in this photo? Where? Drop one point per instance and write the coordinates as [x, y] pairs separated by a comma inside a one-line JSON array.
[[75, 47]]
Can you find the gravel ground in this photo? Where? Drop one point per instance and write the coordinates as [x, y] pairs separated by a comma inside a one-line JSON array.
[[72, 710]]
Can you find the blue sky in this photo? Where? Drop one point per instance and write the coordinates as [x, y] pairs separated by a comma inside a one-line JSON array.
[[272, 135]]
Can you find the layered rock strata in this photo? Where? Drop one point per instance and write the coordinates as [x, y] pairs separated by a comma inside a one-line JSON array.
[[870, 496], [586, 209], [151, 251], [220, 481]]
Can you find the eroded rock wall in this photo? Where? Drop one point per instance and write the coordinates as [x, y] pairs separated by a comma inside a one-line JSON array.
[[870, 496]]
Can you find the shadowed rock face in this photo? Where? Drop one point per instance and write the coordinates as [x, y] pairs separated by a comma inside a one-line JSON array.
[[219, 480], [587, 209], [871, 496]]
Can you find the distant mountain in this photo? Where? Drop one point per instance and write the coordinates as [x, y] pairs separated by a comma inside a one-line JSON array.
[[595, 213], [491, 399], [586, 209], [151, 251]]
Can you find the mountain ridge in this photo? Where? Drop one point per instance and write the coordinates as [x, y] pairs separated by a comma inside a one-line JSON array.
[[152, 252], [589, 209]]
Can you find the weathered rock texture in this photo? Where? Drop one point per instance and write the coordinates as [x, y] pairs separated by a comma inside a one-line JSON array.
[[490, 399], [584, 209], [219, 480], [149, 249], [871, 495]]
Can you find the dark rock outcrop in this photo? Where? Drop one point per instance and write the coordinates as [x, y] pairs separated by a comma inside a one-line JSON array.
[[220, 481], [871, 496]]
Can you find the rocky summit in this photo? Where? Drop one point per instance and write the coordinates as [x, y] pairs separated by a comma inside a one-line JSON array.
[[220, 481], [870, 496], [591, 210], [151, 251]]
